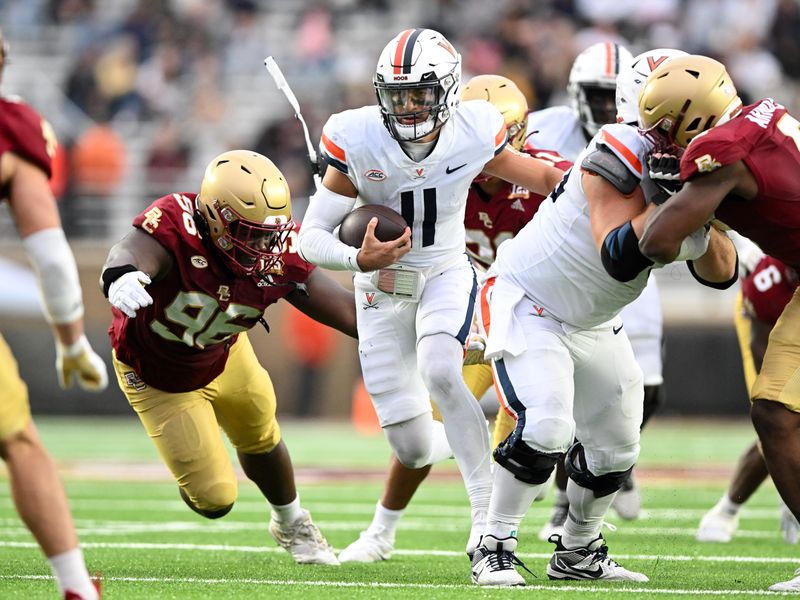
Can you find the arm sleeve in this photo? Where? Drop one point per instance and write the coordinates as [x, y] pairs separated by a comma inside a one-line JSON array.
[[317, 244], [55, 268]]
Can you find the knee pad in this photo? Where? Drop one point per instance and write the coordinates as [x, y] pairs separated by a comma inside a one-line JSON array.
[[411, 441], [578, 471], [653, 399], [212, 512], [525, 463], [554, 434]]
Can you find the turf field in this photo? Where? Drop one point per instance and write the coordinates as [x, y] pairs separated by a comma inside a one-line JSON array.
[[147, 544]]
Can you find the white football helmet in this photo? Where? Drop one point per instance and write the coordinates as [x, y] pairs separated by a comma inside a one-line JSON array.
[[631, 80], [593, 83], [417, 82]]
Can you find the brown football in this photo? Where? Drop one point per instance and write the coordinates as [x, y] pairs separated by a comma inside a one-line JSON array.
[[391, 224]]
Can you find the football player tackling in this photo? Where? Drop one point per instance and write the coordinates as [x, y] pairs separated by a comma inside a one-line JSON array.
[[27, 145], [740, 168], [417, 152], [194, 274]]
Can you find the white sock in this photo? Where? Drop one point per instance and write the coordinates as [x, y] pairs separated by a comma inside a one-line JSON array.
[[729, 506], [586, 514], [71, 574], [385, 521], [288, 513], [511, 499]]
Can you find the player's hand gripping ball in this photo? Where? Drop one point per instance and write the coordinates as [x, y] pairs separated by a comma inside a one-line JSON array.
[[391, 224]]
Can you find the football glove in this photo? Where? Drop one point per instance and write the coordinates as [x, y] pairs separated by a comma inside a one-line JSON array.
[[473, 349], [79, 362], [665, 171], [127, 292]]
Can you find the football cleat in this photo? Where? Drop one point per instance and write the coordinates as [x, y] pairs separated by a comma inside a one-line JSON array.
[[96, 579], [628, 501], [555, 526], [589, 562], [303, 540], [372, 545], [493, 562], [717, 525], [793, 585], [789, 525]]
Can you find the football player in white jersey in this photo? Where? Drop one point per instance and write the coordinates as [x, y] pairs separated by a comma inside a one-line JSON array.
[[604, 84], [550, 309], [417, 152]]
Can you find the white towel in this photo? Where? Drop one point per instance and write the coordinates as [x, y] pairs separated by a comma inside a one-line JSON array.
[[505, 333]]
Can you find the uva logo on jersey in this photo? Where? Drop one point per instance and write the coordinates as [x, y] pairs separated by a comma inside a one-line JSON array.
[[375, 175], [370, 301]]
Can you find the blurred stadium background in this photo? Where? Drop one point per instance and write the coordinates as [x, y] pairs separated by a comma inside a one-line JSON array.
[[142, 93]]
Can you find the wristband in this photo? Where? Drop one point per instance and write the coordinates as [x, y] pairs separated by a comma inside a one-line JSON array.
[[111, 274]]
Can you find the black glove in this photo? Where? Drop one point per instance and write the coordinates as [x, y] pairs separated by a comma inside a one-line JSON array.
[[665, 172]]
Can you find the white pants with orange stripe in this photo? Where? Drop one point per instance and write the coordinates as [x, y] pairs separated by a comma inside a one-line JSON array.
[[570, 383]]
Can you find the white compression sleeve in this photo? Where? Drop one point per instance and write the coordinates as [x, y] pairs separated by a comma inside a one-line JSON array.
[[55, 267], [317, 243]]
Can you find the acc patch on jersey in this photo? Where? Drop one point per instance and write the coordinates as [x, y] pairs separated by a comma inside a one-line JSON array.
[[375, 175], [199, 261]]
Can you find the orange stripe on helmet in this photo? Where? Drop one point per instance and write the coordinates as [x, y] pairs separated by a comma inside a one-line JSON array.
[[332, 149], [623, 150], [609, 59], [398, 52]]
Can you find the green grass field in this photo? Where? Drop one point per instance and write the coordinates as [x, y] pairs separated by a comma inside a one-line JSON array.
[[137, 532]]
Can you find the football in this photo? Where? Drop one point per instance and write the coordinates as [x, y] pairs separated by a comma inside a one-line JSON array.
[[391, 224]]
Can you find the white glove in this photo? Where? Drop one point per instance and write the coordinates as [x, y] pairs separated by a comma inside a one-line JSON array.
[[695, 244], [78, 360], [127, 292], [789, 525]]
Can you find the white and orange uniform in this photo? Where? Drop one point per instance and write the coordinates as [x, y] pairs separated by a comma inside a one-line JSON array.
[[550, 311], [559, 128], [431, 194]]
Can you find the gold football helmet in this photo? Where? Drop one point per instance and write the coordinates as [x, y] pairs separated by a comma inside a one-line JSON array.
[[687, 96], [245, 202], [507, 98]]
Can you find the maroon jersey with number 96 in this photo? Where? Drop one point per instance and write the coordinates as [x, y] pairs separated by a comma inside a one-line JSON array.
[[181, 341], [767, 139]]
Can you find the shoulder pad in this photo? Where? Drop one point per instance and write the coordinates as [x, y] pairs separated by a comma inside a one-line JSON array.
[[602, 161]]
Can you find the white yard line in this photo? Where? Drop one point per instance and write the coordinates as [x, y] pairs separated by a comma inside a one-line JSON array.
[[556, 587], [411, 552]]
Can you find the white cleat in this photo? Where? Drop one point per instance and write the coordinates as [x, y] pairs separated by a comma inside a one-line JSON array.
[[789, 525], [793, 585], [555, 526], [588, 562], [304, 541], [717, 525], [628, 501], [493, 563], [373, 545]]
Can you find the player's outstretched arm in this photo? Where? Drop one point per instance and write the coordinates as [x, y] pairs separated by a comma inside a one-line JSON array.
[[132, 263], [328, 302], [719, 266], [531, 173]]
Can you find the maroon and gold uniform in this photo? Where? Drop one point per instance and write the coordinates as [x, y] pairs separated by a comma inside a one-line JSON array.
[[25, 133], [491, 219], [181, 341], [185, 363], [767, 140], [768, 289]]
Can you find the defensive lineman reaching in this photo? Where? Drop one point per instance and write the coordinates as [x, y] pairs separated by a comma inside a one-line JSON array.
[[27, 145], [186, 283], [563, 363], [741, 167], [417, 152]]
